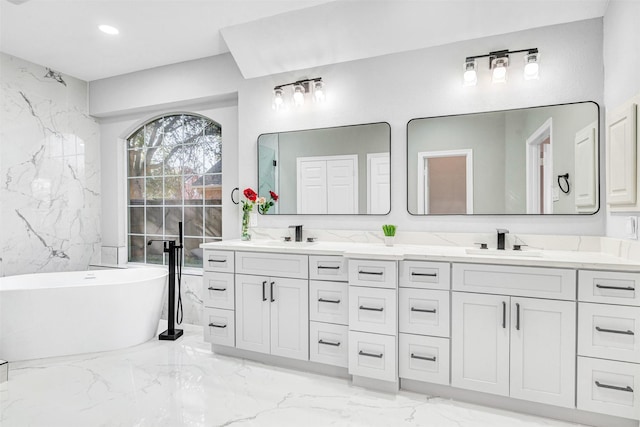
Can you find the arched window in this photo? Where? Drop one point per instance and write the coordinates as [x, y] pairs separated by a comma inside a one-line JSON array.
[[174, 174]]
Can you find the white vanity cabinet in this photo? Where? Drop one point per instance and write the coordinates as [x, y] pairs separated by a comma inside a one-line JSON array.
[[373, 323], [519, 346], [218, 297], [609, 343], [328, 310], [423, 321]]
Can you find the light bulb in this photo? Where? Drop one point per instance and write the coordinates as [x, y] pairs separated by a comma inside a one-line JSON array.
[[318, 91], [298, 95], [278, 100], [470, 77], [531, 66], [499, 66], [108, 29]]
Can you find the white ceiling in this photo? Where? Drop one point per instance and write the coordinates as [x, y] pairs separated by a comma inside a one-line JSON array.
[[264, 36]]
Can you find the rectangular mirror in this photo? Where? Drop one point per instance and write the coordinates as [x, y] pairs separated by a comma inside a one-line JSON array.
[[340, 170], [540, 160]]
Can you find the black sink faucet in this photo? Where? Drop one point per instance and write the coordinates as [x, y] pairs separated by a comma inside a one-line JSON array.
[[298, 232], [501, 234]]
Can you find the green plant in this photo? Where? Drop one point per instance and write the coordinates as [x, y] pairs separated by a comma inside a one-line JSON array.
[[389, 230]]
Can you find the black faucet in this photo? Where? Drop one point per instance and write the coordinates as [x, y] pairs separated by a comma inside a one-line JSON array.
[[501, 233], [298, 232]]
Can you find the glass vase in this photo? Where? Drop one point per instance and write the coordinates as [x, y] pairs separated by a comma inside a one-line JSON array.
[[246, 217]]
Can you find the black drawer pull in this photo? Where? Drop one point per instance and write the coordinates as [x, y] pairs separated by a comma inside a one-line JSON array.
[[364, 353], [217, 260], [430, 359], [264, 294], [217, 289], [374, 273], [423, 310], [614, 331], [332, 301], [618, 288], [614, 387], [213, 325], [335, 344], [425, 274], [362, 307], [328, 267], [504, 315]]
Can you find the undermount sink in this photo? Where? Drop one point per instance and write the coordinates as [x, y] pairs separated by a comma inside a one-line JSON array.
[[504, 253]]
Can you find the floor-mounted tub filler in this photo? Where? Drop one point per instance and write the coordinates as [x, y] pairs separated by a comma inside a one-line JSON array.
[[58, 314]]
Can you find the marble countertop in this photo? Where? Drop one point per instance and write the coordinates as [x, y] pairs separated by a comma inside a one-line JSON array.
[[538, 258]]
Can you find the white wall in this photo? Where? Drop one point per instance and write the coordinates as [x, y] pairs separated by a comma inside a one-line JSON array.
[[423, 83], [621, 70]]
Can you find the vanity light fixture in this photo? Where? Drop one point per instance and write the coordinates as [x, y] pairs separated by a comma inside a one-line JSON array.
[[470, 75], [498, 62], [315, 87]]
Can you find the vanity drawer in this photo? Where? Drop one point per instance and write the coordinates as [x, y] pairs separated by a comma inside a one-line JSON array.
[[380, 274], [609, 332], [424, 358], [218, 290], [609, 287], [276, 265], [609, 387], [553, 283], [423, 274], [329, 302], [328, 344], [219, 326], [423, 312], [220, 261], [332, 268], [372, 310], [372, 356]]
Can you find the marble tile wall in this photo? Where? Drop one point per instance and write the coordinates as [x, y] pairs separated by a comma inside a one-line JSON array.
[[49, 171]]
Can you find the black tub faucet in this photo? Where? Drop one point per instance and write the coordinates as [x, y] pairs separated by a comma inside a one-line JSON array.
[[501, 234], [298, 232]]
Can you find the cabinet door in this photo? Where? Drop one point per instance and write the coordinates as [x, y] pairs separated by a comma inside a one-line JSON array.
[[252, 313], [586, 167], [480, 342], [543, 351], [289, 299], [621, 157]]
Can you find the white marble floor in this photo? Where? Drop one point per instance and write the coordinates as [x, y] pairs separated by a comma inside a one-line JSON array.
[[182, 383]]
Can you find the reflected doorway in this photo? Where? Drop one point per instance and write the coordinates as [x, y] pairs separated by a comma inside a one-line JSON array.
[[445, 182]]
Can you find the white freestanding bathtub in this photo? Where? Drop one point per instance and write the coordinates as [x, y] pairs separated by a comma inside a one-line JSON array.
[[57, 314]]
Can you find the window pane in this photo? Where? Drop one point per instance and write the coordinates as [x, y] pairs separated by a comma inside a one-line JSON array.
[[192, 253], [173, 160], [154, 251], [213, 189], [192, 190], [173, 190], [136, 248], [154, 161], [154, 191], [154, 221], [212, 155], [153, 134], [136, 220], [136, 191], [172, 216], [136, 163], [193, 221], [136, 140], [193, 128], [213, 222]]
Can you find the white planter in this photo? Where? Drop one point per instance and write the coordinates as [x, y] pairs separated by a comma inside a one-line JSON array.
[[388, 240]]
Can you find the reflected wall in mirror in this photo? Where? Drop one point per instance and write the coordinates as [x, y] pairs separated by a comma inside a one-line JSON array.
[[540, 160], [340, 170]]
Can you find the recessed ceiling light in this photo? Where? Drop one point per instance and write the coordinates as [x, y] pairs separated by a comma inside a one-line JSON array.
[[108, 29]]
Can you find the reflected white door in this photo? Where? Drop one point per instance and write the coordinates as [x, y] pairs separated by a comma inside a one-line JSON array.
[[312, 186], [378, 183], [327, 185], [585, 168]]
